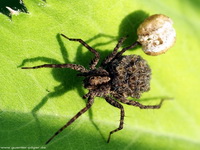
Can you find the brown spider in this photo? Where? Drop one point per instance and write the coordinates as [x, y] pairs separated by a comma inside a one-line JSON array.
[[118, 77]]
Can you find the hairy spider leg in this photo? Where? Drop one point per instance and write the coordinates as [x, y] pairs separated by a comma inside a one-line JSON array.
[[76, 67], [122, 114], [82, 111], [113, 54], [141, 106], [127, 48], [95, 60], [116, 54]]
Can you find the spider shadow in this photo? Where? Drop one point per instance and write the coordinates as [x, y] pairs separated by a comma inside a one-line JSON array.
[[129, 26], [67, 77]]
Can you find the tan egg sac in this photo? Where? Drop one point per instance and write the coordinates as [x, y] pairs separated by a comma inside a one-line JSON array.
[[156, 34]]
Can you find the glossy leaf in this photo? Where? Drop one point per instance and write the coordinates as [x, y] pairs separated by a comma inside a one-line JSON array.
[[35, 103]]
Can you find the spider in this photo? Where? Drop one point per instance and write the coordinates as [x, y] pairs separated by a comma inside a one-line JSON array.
[[117, 78]]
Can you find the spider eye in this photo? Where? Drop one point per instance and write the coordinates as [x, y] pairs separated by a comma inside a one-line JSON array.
[[156, 34]]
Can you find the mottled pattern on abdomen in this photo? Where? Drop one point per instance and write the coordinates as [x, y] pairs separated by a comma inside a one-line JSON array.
[[130, 76]]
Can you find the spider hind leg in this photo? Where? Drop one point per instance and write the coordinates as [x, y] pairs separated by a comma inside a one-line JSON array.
[[82, 111], [122, 114]]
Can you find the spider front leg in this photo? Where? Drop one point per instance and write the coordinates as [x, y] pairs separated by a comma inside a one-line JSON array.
[[95, 60], [116, 54], [113, 54], [141, 106], [79, 68], [88, 105], [127, 48], [122, 114]]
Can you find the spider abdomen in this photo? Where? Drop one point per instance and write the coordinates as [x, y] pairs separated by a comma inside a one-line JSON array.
[[130, 76]]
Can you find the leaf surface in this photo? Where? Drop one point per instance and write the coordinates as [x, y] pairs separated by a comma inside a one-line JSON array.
[[36, 103]]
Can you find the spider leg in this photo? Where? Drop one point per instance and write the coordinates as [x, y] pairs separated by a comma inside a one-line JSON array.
[[71, 66], [118, 105], [113, 54], [86, 95], [95, 60], [141, 106], [88, 105], [127, 48]]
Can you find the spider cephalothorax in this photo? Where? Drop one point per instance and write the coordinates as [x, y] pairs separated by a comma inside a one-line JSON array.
[[118, 77]]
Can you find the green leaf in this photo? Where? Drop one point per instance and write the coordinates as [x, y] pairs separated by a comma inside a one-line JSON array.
[[36, 103]]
